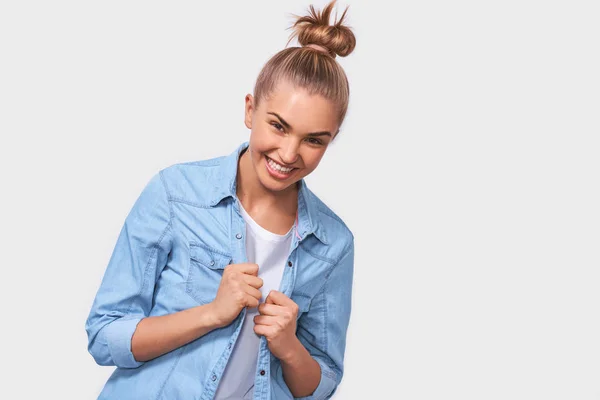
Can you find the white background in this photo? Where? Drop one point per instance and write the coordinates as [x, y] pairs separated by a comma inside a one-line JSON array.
[[468, 169]]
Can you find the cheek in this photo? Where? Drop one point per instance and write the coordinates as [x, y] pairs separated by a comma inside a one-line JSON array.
[[261, 138], [257, 143], [312, 159]]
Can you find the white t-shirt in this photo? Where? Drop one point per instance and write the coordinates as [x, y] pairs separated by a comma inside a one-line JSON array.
[[270, 251]]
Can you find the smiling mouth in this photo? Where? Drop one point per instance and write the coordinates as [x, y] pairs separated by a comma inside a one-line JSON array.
[[278, 169]]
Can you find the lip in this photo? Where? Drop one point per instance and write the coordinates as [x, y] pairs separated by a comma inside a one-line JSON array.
[[276, 174]]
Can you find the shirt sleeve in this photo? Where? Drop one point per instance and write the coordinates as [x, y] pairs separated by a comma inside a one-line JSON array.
[[322, 330], [126, 291]]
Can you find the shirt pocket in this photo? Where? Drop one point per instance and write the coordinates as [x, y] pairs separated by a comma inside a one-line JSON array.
[[303, 302], [205, 272]]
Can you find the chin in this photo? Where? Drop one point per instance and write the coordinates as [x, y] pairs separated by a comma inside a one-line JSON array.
[[273, 186]]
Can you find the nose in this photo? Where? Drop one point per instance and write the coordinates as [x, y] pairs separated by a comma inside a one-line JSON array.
[[288, 152]]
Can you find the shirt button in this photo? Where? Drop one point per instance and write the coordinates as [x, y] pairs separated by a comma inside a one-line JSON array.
[[214, 378], [212, 262], [262, 372], [239, 236], [289, 263]]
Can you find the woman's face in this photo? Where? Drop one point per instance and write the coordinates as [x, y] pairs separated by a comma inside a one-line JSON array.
[[290, 131]]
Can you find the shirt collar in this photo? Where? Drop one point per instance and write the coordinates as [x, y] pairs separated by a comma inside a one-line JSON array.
[[308, 213]]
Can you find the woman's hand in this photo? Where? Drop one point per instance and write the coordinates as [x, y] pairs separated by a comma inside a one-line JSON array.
[[277, 322], [238, 289]]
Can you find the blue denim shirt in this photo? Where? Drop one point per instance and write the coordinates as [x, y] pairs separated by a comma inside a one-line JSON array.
[[184, 228]]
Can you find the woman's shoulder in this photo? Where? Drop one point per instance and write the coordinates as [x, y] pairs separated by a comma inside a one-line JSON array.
[[188, 181], [193, 166], [194, 171], [332, 222]]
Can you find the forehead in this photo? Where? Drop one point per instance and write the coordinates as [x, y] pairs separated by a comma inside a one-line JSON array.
[[303, 111]]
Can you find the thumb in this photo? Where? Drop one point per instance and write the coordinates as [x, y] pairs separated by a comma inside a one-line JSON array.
[[269, 299]]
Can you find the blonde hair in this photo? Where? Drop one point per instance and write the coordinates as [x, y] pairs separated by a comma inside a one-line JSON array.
[[310, 67]]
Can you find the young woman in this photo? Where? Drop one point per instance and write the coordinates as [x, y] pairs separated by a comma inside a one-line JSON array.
[[230, 279]]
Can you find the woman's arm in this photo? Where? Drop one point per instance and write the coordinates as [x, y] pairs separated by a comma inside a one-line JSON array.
[[155, 336], [301, 372], [119, 328], [322, 334], [125, 294], [158, 335], [277, 323]]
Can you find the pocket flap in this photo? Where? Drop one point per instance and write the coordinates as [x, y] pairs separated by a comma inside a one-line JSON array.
[[303, 302], [208, 257]]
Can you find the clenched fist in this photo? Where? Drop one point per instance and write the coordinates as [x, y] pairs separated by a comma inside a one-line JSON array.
[[238, 289], [277, 322]]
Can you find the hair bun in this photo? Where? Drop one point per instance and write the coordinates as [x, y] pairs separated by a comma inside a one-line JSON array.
[[315, 29]]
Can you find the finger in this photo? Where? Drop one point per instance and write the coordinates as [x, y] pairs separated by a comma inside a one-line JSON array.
[[246, 268], [269, 299], [265, 320], [252, 292], [276, 297], [251, 301], [263, 330], [253, 281], [271, 309]]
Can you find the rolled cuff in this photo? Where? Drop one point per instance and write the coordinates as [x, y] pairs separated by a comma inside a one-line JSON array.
[[118, 336], [326, 386]]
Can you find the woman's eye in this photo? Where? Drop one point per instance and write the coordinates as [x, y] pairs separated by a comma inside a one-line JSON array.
[[315, 141], [277, 126]]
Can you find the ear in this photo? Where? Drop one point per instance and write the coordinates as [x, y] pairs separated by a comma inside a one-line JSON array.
[[249, 110]]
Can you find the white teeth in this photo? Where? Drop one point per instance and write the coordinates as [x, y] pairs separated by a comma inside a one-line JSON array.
[[278, 167]]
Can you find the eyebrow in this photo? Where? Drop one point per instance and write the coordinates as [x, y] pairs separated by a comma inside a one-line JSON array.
[[288, 126]]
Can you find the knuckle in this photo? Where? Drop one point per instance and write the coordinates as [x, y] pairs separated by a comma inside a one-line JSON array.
[[238, 296], [227, 276]]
